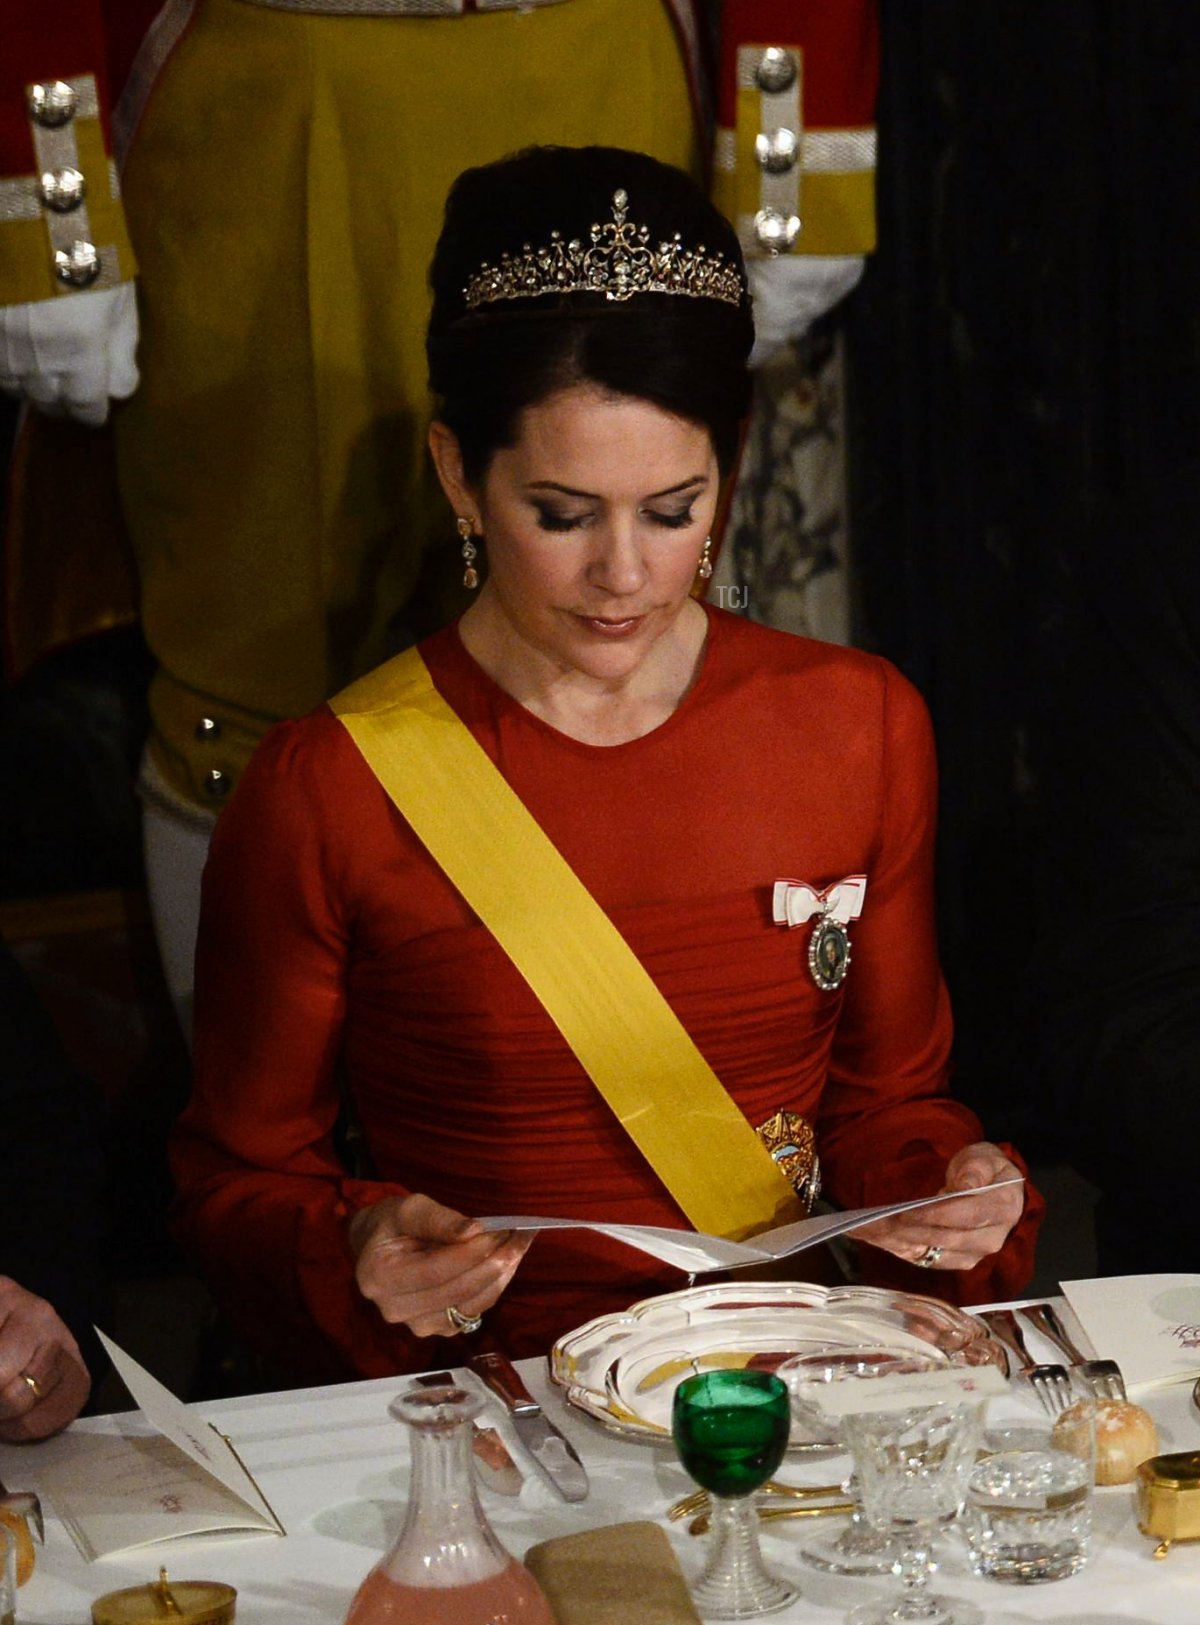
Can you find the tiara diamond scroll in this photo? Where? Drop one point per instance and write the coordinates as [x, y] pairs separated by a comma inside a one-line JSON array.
[[619, 263]]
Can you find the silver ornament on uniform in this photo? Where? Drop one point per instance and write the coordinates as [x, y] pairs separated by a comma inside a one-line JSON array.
[[796, 902]]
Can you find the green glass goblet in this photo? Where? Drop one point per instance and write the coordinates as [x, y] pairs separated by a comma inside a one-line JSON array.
[[731, 1430]]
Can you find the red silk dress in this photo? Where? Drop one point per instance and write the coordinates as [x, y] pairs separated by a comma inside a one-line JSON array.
[[337, 962]]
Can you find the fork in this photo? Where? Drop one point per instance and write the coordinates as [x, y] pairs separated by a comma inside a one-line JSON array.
[[1051, 1383], [1103, 1377], [829, 1509], [698, 1500]]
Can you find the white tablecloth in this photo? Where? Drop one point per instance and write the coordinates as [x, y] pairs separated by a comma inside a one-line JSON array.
[[334, 1467]]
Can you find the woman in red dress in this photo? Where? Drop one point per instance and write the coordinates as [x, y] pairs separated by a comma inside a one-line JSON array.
[[686, 763]]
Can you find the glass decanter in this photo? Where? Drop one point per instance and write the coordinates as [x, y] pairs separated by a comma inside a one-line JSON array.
[[447, 1566]]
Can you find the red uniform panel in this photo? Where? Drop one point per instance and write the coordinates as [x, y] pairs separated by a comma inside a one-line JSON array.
[[840, 42]]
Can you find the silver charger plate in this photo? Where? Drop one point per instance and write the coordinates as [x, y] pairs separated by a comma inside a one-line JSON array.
[[623, 1369]]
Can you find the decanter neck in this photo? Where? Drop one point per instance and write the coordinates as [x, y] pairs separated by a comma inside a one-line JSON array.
[[446, 1538]]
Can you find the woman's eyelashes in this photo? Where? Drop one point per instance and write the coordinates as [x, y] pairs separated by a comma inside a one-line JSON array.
[[679, 520], [552, 519]]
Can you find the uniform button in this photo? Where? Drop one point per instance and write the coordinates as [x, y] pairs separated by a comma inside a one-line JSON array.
[[776, 232], [52, 104], [77, 266], [207, 729], [776, 71], [776, 151], [62, 190], [216, 783]]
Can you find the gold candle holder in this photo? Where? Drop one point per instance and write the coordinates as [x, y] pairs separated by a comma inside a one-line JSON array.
[[181, 1602], [1168, 1499]]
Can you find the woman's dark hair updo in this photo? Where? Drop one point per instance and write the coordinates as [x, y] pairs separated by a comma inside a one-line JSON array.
[[682, 353]]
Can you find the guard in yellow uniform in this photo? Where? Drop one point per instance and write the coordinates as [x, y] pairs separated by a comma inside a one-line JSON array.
[[283, 168]]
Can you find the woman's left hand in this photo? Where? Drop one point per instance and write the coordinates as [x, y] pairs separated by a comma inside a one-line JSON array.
[[956, 1235]]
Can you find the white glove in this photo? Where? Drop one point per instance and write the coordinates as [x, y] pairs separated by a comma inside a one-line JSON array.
[[790, 291], [69, 355]]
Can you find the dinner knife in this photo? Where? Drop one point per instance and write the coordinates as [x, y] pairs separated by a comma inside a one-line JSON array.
[[495, 1466], [552, 1453]]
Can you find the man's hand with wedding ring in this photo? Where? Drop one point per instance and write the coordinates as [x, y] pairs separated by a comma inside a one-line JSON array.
[[44, 1383]]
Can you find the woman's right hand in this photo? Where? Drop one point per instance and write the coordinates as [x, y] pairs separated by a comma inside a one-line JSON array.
[[414, 1259]]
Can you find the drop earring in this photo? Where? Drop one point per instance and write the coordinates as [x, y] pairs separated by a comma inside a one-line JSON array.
[[469, 551], [705, 568]]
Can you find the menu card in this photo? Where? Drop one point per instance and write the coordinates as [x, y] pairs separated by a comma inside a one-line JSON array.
[[698, 1254], [1148, 1324], [116, 1492]]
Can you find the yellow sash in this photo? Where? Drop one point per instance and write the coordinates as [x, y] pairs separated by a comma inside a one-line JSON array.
[[597, 992]]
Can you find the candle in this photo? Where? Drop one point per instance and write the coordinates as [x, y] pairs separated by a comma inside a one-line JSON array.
[[182, 1602]]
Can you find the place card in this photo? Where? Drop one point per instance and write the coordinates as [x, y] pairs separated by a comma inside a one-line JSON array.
[[698, 1254], [905, 1390], [118, 1492], [1148, 1324]]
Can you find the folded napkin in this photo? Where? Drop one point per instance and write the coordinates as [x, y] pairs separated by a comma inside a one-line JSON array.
[[1148, 1324], [611, 1575]]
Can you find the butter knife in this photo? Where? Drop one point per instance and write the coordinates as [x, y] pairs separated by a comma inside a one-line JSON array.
[[493, 1463], [26, 1505], [553, 1454]]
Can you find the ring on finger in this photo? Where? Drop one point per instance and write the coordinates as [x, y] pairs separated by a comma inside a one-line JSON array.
[[34, 1386], [930, 1258], [460, 1322]]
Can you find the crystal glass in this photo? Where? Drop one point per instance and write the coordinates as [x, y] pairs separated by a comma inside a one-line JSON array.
[[1028, 1515], [731, 1430], [858, 1548], [447, 1566], [913, 1467]]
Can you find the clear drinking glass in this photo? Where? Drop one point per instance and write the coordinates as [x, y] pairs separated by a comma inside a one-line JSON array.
[[858, 1548], [1028, 1515], [447, 1566], [913, 1467], [731, 1430]]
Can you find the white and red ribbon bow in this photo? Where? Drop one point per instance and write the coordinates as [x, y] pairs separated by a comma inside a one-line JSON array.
[[795, 903]]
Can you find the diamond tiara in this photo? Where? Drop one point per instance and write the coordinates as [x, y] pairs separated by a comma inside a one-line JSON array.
[[619, 263]]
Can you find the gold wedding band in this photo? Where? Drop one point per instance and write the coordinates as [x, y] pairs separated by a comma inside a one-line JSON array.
[[460, 1322], [929, 1259], [35, 1388]]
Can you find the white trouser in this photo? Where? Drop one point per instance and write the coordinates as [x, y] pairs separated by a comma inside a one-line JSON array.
[[175, 839]]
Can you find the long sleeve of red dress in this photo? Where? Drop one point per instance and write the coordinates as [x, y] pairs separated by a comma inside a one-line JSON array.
[[340, 975]]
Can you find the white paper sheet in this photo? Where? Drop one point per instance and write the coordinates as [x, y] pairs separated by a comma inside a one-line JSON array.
[[699, 1254], [116, 1492]]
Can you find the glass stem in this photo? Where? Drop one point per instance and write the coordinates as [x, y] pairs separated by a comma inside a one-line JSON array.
[[912, 1567], [734, 1559]]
